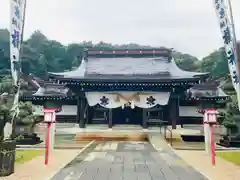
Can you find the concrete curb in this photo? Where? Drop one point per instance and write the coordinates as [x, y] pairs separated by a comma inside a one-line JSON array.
[[81, 151], [180, 157]]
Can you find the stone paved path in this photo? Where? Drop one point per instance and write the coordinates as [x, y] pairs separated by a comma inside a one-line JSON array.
[[127, 161], [36, 170], [223, 170]]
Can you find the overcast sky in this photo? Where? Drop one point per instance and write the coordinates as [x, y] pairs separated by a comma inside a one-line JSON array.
[[189, 26]]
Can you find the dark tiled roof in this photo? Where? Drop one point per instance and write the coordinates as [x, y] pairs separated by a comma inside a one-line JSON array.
[[33, 81], [127, 66], [157, 52], [52, 90], [40, 81], [192, 111], [206, 86], [28, 93], [131, 65], [206, 92], [130, 68]]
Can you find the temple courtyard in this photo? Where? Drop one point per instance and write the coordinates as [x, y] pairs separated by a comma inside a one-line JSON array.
[[135, 160], [114, 99], [131, 160]]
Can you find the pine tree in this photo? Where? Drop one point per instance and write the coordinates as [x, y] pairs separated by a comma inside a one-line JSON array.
[[232, 114]]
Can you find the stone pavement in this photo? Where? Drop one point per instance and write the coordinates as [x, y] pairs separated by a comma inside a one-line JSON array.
[[223, 170], [127, 161], [36, 170]]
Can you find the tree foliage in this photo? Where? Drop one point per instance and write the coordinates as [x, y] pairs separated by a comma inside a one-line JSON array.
[[216, 63], [40, 55], [5, 115], [26, 114], [231, 116], [6, 85]]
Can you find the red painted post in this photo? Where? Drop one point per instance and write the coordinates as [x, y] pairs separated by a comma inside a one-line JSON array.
[[47, 142], [213, 154]]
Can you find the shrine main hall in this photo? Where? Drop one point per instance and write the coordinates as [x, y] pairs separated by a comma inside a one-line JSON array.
[[124, 86]]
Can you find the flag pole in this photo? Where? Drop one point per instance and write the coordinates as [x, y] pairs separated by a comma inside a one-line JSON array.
[[16, 98], [23, 26], [232, 22], [235, 46], [234, 33]]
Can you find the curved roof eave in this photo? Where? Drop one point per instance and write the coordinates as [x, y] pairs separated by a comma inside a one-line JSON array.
[[176, 70], [222, 93], [80, 71], [40, 91]]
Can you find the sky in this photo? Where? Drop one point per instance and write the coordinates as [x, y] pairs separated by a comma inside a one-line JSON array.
[[188, 26]]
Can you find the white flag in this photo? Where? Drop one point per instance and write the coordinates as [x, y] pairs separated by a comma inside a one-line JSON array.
[[16, 30], [227, 36], [17, 8]]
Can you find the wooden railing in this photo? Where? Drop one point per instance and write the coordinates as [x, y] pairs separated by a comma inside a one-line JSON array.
[[163, 124]]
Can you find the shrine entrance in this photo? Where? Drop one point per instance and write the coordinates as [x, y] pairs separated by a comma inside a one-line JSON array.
[[125, 107], [127, 115]]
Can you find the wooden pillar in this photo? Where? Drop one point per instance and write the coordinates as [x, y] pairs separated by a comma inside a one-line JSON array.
[[177, 110], [144, 119], [166, 114], [89, 115], [81, 115], [109, 118], [88, 120], [174, 111], [78, 110]]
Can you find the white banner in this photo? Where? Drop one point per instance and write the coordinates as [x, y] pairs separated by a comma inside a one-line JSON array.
[[225, 26], [116, 99], [16, 30]]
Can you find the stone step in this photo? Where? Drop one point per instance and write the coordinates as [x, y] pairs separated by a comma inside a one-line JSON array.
[[111, 135]]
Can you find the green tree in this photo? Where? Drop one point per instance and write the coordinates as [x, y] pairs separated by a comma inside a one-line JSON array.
[[6, 85], [25, 117], [26, 114], [216, 63], [40, 55], [5, 115], [4, 51], [188, 64], [231, 116]]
